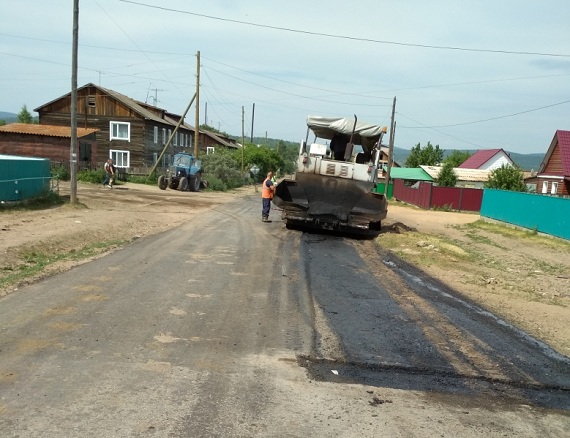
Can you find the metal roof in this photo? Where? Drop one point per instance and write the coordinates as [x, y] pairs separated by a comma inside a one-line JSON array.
[[20, 158], [480, 157], [461, 174], [45, 130], [411, 173]]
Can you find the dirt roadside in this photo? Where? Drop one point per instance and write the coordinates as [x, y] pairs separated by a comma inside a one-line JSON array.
[[519, 276], [516, 274]]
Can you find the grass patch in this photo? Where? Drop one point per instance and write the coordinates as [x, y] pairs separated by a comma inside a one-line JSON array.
[[35, 262], [477, 238], [517, 233], [424, 249], [150, 180]]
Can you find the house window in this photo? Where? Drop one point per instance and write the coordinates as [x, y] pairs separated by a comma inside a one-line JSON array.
[[176, 138], [120, 131], [155, 134], [163, 135], [182, 139], [91, 101], [154, 157], [120, 158], [554, 188], [169, 133], [544, 186], [210, 150]]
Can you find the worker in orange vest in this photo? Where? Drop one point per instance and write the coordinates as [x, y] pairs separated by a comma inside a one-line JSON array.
[[267, 191]]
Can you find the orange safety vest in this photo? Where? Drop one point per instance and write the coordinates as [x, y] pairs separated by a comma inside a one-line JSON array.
[[267, 192]]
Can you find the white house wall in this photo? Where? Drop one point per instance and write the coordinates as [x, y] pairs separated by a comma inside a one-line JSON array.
[[497, 161]]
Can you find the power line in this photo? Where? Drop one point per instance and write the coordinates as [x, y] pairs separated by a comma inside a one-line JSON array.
[[292, 94], [346, 37], [295, 84], [491, 118]]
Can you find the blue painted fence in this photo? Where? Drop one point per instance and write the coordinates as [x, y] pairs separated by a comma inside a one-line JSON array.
[[546, 214]]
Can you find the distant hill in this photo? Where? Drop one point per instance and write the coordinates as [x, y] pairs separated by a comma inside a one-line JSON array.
[[524, 161], [8, 117]]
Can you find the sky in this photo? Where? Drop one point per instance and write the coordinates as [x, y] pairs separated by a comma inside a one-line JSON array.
[[463, 74]]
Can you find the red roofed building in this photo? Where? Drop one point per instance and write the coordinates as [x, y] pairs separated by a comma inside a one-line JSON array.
[[487, 159], [46, 141], [554, 171]]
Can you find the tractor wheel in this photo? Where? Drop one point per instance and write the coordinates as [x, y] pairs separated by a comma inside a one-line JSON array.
[[195, 182], [183, 184], [162, 183]]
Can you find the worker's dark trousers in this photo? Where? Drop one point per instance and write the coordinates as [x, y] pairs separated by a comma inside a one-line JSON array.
[[266, 207]]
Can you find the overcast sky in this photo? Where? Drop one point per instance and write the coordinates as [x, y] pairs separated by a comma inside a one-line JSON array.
[[465, 74]]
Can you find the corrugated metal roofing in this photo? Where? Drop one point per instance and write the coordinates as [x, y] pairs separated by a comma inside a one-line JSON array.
[[46, 130], [462, 174], [412, 173], [20, 158], [479, 158]]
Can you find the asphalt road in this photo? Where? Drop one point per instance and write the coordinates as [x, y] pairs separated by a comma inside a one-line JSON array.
[[230, 327]]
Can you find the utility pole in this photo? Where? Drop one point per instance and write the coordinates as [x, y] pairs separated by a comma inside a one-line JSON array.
[[391, 149], [197, 119], [73, 146], [206, 113], [252, 117], [242, 139]]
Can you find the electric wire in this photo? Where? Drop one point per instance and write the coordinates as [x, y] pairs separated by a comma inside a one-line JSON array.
[[346, 37]]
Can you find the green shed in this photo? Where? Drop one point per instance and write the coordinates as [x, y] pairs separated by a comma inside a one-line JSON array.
[[23, 177]]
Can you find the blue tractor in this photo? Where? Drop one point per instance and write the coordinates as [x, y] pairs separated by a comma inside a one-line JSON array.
[[185, 173]]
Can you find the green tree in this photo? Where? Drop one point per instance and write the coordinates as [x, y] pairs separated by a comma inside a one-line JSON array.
[[222, 166], [24, 116], [263, 157], [289, 153], [506, 178], [447, 177], [456, 158], [426, 156]]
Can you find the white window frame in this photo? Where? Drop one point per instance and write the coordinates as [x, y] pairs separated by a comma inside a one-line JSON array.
[[163, 135], [155, 135], [554, 188], [116, 131], [210, 150], [121, 159], [544, 186]]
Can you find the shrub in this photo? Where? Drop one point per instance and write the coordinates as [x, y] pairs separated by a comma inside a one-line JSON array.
[[150, 180], [60, 173], [216, 184], [91, 176]]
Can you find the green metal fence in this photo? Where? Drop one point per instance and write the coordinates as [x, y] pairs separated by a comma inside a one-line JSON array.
[[543, 213]]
